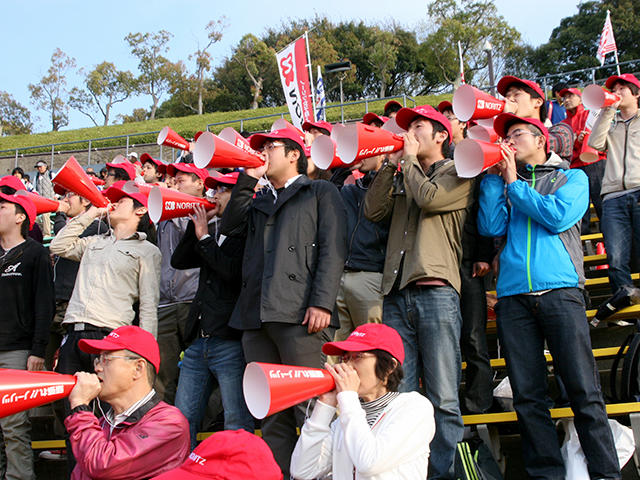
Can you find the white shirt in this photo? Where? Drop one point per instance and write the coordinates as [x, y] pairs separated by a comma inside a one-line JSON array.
[[395, 448]]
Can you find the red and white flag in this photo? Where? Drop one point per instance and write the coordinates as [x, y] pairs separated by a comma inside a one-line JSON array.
[[607, 40], [294, 74]]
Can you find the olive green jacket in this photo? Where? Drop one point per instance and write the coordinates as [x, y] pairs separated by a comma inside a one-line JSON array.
[[428, 211]]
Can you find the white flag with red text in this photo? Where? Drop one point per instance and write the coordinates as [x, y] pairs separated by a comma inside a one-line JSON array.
[[294, 74], [607, 40]]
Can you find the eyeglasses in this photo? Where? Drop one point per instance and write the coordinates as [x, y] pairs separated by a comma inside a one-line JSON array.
[[354, 356], [111, 174], [517, 134], [220, 189], [268, 147], [104, 358]]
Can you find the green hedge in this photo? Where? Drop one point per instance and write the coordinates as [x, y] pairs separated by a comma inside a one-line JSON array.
[[186, 126]]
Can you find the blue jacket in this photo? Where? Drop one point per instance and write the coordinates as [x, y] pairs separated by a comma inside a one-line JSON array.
[[540, 217]]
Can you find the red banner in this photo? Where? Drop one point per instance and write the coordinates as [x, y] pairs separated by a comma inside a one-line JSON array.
[[294, 74]]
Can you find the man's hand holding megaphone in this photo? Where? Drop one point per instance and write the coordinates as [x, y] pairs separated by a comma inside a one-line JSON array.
[[87, 388], [258, 172], [410, 148], [507, 166]]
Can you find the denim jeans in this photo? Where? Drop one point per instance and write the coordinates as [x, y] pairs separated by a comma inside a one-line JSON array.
[[558, 316], [225, 360], [620, 226], [428, 320]]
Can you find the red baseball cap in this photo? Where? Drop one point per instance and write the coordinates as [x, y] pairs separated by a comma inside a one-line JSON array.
[[257, 140], [128, 337], [445, 105], [118, 190], [228, 455], [306, 126], [371, 117], [566, 91], [407, 115], [25, 202], [12, 182], [125, 165], [503, 122], [370, 336], [145, 157], [392, 103], [508, 81], [226, 179], [174, 168], [626, 77]]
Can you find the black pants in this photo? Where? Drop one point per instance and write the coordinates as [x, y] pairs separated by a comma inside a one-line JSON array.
[[478, 392], [286, 344], [71, 360]]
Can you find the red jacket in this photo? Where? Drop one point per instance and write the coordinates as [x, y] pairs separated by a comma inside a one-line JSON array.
[[577, 121], [153, 440]]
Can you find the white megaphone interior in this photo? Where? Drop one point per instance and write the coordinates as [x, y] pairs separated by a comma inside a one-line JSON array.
[[468, 158], [478, 132], [130, 187], [154, 204], [485, 122], [162, 136], [323, 150], [279, 124], [229, 134], [593, 97], [464, 102], [346, 138], [203, 149], [392, 126], [257, 394]]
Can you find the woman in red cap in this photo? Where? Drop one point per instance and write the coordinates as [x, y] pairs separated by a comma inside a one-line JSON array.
[[380, 433]]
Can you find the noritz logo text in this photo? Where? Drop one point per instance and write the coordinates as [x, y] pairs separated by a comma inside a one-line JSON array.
[[171, 205], [483, 104]]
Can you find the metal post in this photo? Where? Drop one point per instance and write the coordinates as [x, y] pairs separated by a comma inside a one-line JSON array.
[[366, 105], [404, 99], [593, 75], [89, 155], [341, 101], [492, 80], [161, 152], [127, 146], [16, 164], [241, 125], [52, 152]]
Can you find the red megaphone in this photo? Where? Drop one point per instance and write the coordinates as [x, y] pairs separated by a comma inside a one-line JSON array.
[[210, 151], [230, 135], [21, 390], [270, 388], [587, 153], [43, 205], [281, 123], [472, 157], [469, 103], [98, 182], [165, 203], [479, 132], [594, 97], [170, 138], [323, 153], [72, 177], [358, 141]]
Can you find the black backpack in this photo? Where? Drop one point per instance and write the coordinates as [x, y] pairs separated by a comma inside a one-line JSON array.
[[629, 383]]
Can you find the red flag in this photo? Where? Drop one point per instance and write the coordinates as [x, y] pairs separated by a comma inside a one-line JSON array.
[[294, 74], [607, 40]]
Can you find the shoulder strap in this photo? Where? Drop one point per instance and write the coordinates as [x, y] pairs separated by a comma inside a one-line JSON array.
[[613, 374], [629, 379]]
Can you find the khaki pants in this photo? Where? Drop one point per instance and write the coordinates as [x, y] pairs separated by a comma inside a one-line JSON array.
[[16, 429], [359, 301], [45, 224]]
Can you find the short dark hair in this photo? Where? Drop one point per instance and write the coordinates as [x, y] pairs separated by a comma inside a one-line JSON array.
[[120, 173], [24, 226], [18, 170], [144, 225], [438, 127], [151, 370], [533, 94], [557, 87], [634, 89], [394, 107], [195, 178], [290, 146], [388, 370]]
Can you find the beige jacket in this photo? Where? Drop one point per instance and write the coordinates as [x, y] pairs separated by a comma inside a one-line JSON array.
[[113, 275], [428, 213], [622, 142]]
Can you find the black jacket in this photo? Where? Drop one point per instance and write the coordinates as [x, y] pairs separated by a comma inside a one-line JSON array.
[[65, 271], [475, 247], [218, 284], [27, 298], [294, 253], [367, 240]]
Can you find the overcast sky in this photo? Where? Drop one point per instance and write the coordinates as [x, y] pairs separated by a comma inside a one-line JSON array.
[[93, 32]]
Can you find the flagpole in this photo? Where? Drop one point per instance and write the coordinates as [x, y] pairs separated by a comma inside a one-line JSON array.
[[311, 84], [615, 52]]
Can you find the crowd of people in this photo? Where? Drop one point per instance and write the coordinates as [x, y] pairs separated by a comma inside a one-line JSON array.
[[376, 272]]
